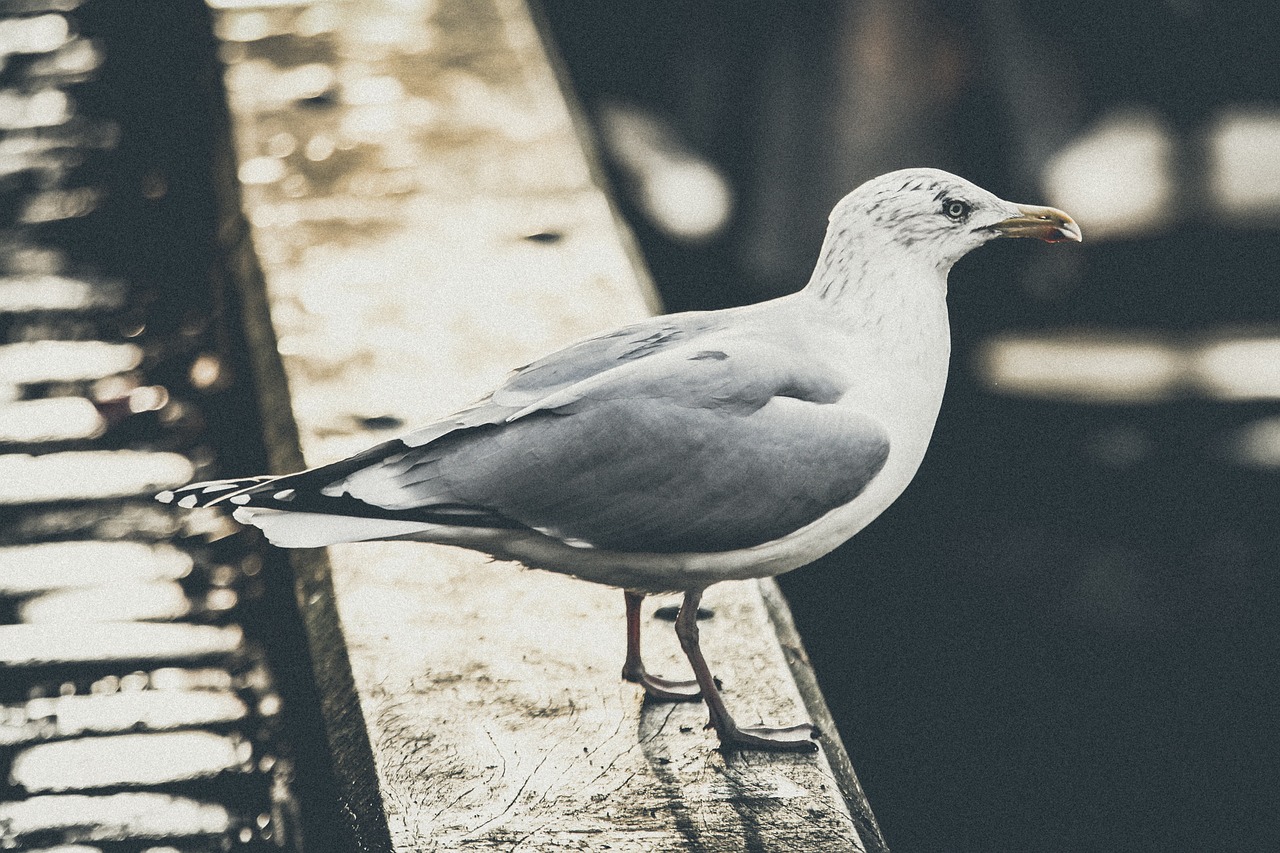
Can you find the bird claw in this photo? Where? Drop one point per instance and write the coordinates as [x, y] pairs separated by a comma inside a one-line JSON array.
[[671, 691], [663, 689], [801, 738]]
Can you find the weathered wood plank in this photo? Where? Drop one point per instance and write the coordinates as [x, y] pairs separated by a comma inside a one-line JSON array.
[[391, 218]]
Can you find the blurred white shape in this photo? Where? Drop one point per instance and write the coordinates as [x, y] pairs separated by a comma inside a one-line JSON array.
[[209, 523], [244, 26], [89, 475], [221, 599], [1116, 178], [112, 817], [33, 260], [1081, 367], [114, 388], [56, 293], [265, 85], [65, 361], [37, 34], [1244, 162], [261, 170], [52, 419], [319, 147], [689, 199], [150, 709], [119, 602], [134, 682], [207, 371], [181, 678], [1098, 367], [308, 81], [1257, 444], [26, 569], [46, 108], [316, 19], [682, 193], [77, 57], [1239, 368], [59, 204], [36, 645], [123, 760], [148, 398]]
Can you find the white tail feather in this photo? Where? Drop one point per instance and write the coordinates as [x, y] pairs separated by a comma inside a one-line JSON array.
[[316, 530]]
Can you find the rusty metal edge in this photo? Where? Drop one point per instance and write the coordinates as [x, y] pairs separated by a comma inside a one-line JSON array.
[[350, 815], [807, 682]]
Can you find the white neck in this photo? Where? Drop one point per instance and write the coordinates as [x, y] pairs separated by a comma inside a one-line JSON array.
[[866, 280]]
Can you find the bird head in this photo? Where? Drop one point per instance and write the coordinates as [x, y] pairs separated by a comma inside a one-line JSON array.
[[938, 217]]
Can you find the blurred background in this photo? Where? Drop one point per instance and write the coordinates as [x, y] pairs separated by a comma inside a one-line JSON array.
[[1064, 636]]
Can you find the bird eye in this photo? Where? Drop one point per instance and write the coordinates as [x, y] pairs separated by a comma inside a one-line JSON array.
[[955, 210]]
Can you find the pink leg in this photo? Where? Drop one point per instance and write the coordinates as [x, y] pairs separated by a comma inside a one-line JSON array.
[[792, 738], [633, 670]]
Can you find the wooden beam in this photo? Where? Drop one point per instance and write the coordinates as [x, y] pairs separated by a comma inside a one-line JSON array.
[[428, 214]]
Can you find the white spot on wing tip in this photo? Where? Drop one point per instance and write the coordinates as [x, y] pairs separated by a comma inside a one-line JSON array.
[[567, 540], [189, 502], [239, 500], [165, 497], [285, 494]]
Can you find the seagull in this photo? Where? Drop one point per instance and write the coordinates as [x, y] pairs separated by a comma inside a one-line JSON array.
[[686, 449]]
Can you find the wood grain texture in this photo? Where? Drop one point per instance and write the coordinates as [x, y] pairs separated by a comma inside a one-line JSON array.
[[499, 720]]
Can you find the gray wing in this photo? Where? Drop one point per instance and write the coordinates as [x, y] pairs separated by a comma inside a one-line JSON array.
[[574, 364], [313, 490], [709, 443]]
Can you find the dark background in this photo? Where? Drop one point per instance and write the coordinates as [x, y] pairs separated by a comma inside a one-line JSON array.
[[1064, 635]]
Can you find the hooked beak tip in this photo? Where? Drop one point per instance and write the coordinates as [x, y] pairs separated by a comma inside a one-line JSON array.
[[1045, 223]]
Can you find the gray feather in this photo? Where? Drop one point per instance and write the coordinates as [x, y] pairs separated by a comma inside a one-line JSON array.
[[744, 448]]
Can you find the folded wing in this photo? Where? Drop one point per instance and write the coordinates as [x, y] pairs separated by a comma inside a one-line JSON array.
[[668, 436]]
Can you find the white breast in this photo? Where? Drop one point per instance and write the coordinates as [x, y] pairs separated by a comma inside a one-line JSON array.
[[896, 371]]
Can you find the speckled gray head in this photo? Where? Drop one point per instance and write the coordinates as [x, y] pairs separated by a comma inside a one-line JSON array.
[[938, 217]]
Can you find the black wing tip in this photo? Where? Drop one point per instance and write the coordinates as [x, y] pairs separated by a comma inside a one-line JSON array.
[[290, 494], [208, 492]]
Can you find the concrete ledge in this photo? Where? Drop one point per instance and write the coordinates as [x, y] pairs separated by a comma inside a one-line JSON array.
[[426, 218]]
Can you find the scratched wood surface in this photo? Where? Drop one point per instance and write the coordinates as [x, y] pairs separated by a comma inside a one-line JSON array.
[[426, 218]]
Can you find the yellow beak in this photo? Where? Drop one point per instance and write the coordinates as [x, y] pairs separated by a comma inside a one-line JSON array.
[[1047, 223]]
